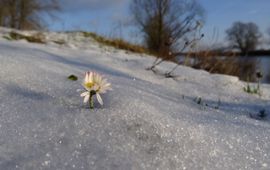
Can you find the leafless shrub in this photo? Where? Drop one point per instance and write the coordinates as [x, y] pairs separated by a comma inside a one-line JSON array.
[[25, 14]]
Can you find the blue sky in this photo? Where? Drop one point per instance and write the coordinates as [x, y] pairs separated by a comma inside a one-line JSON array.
[[220, 14], [109, 17]]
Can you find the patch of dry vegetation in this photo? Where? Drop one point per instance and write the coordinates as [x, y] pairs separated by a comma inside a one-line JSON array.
[[117, 43], [35, 38], [244, 68]]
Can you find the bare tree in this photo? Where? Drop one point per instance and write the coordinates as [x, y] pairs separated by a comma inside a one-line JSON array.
[[3, 13], [164, 22], [244, 36], [7, 12], [25, 14], [166, 25]]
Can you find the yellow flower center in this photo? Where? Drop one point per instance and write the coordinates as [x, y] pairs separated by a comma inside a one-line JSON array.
[[89, 84]]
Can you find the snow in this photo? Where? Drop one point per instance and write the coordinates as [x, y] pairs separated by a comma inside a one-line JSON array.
[[147, 121]]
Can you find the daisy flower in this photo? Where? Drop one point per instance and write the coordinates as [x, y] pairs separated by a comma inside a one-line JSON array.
[[94, 84]]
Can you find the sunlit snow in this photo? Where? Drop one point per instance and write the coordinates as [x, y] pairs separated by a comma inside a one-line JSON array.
[[146, 122]]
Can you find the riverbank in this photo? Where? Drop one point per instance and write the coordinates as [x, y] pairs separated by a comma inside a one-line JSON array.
[[227, 53]]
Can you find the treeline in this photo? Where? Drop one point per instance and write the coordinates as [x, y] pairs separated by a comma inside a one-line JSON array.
[[216, 53], [25, 14]]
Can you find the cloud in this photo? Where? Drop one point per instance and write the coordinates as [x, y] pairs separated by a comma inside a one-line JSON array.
[[80, 5]]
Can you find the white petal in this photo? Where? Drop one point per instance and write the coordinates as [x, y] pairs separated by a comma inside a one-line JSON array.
[[102, 90], [99, 79], [86, 77], [107, 85], [105, 88], [99, 99], [84, 94], [86, 98], [103, 82], [90, 79]]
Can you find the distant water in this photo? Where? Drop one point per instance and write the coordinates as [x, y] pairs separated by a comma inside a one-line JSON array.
[[262, 64], [264, 67]]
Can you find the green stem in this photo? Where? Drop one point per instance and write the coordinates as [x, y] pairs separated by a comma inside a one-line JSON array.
[[91, 101]]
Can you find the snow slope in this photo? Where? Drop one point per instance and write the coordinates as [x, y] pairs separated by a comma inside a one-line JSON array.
[[147, 122]]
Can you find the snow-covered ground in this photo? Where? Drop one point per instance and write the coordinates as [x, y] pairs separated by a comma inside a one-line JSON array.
[[147, 121]]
